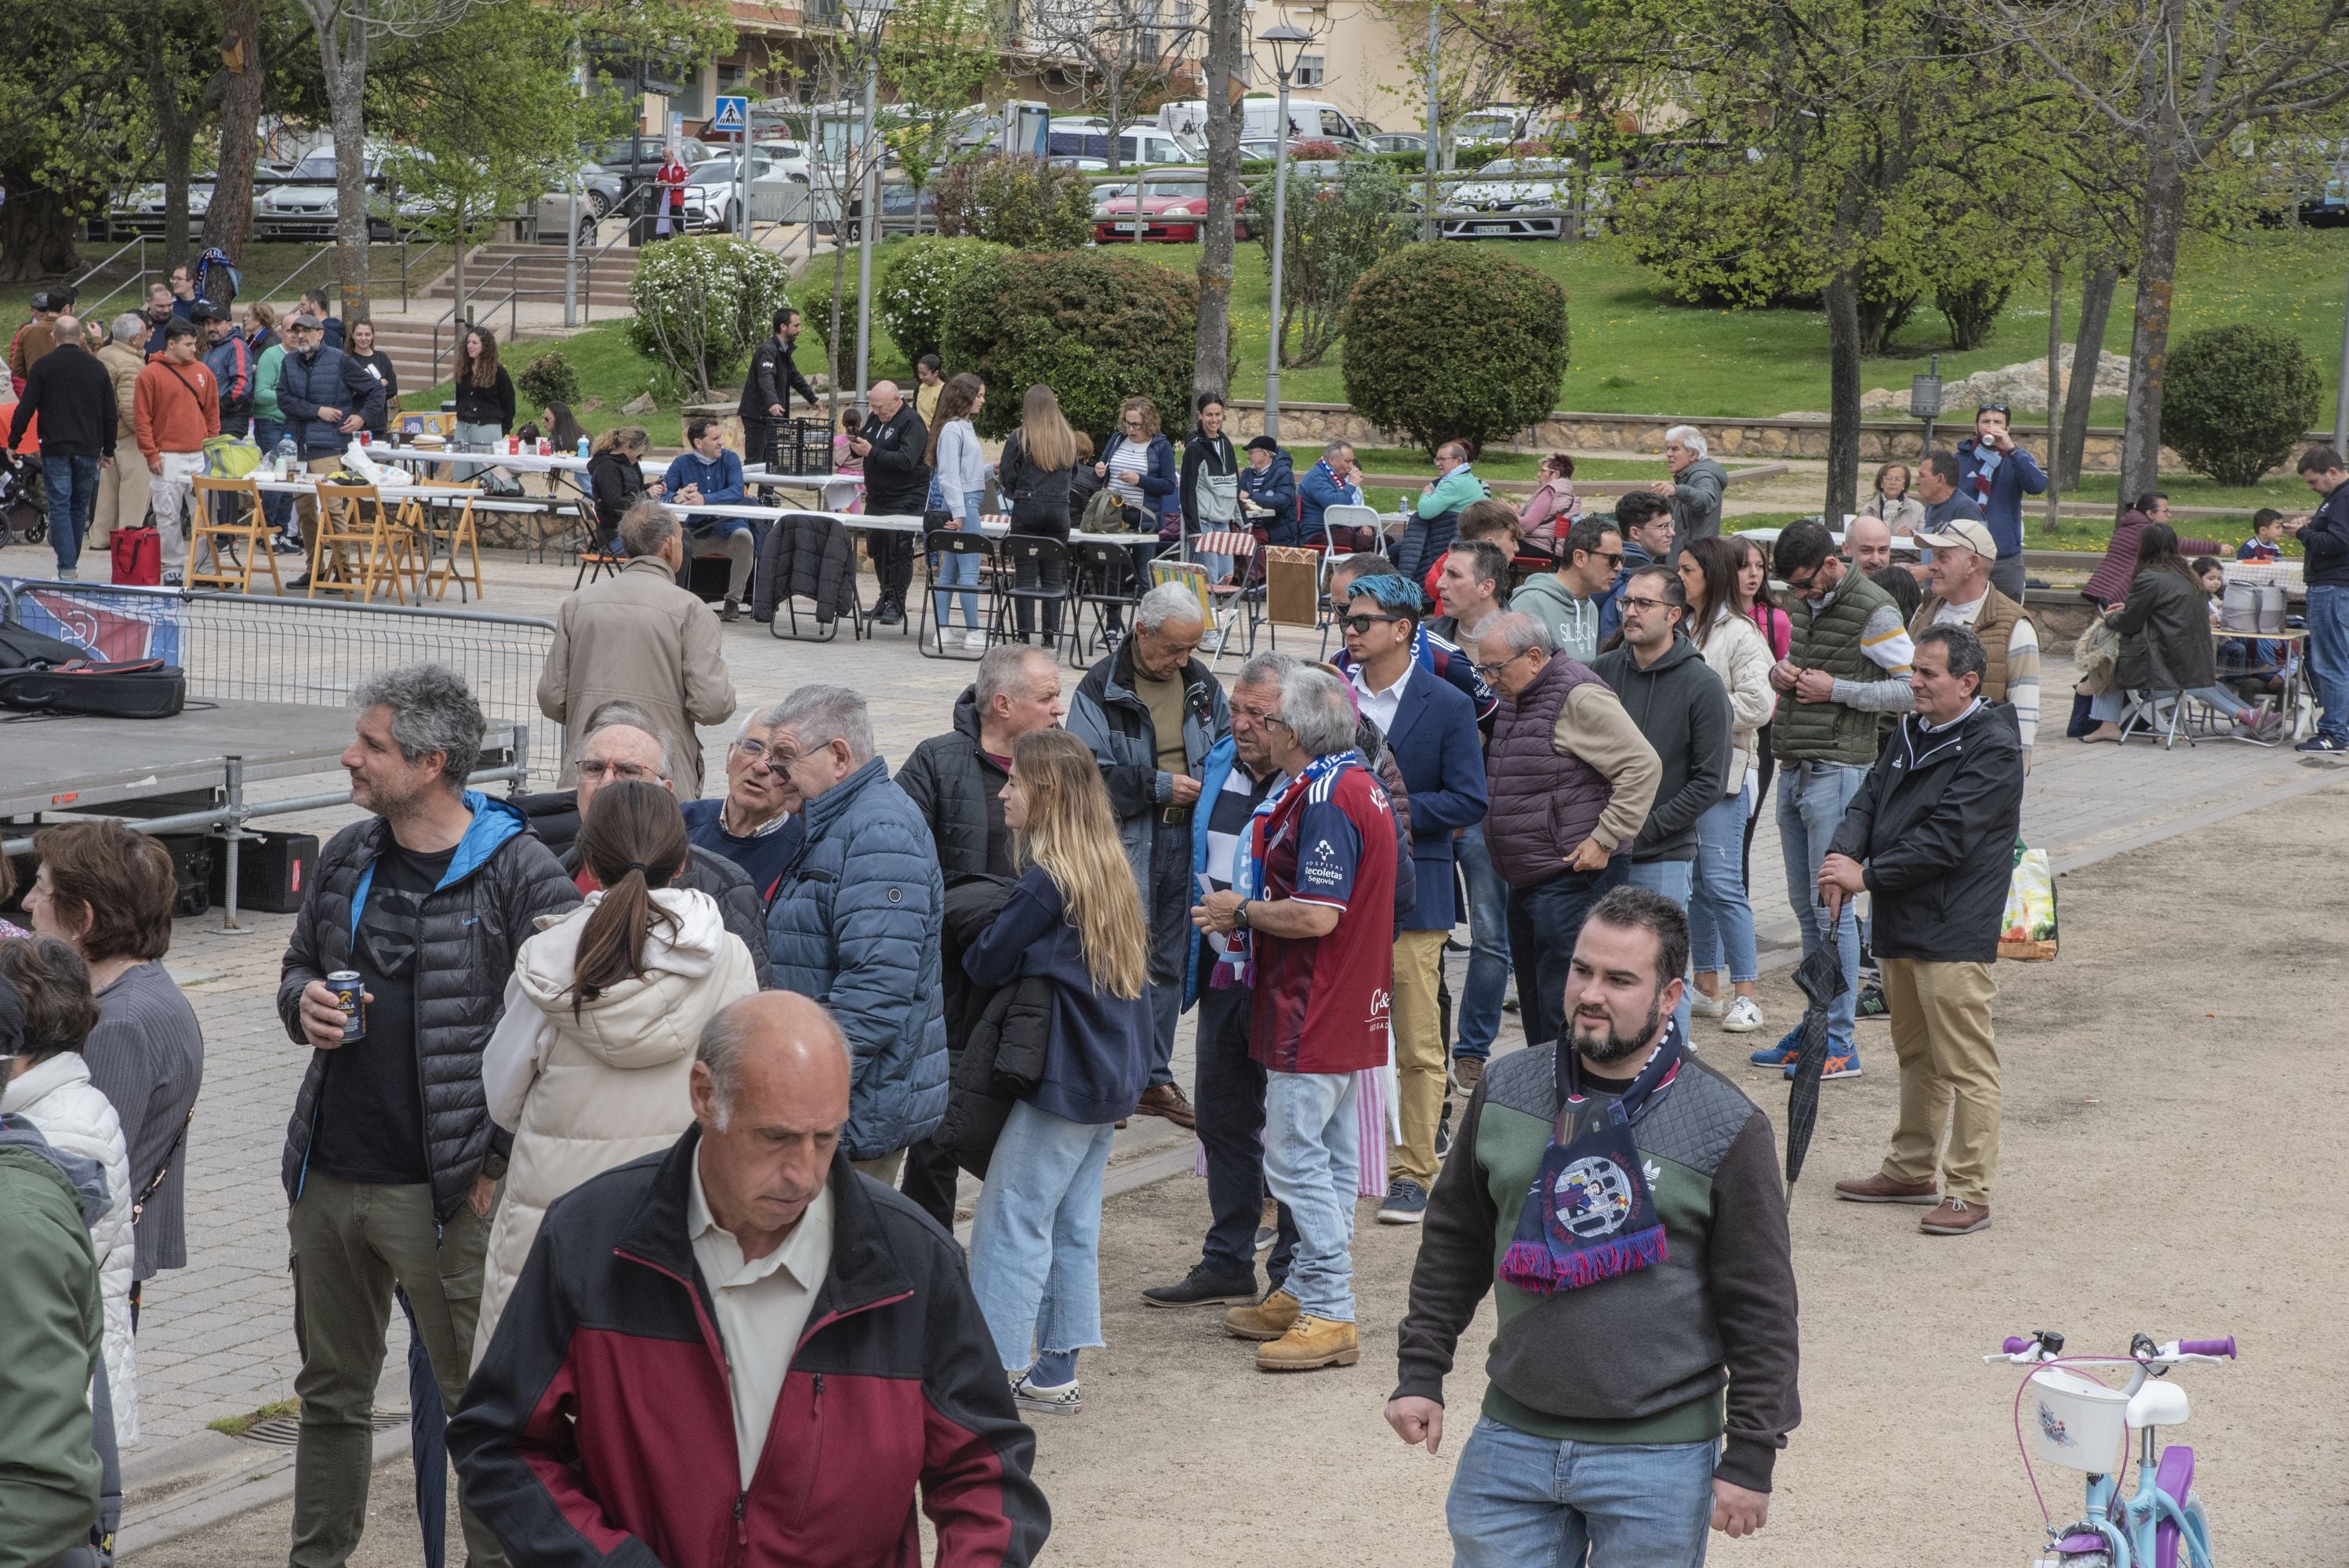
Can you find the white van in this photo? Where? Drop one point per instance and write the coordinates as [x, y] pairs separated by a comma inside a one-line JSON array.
[[1309, 119]]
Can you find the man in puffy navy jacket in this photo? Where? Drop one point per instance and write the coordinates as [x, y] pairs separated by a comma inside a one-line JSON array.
[[857, 918]]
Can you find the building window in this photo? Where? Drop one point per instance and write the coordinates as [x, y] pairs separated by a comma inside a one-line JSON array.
[[1310, 73]]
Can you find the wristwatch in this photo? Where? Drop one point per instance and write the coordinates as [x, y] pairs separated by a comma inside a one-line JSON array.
[[1240, 916]]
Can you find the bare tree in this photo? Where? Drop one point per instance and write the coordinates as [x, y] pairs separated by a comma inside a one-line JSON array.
[[2179, 78], [346, 30], [1125, 49], [1211, 363]]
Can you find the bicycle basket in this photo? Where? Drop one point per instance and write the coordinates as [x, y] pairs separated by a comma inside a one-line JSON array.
[[2077, 1422]]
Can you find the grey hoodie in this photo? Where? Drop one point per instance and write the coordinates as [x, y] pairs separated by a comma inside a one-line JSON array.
[[1681, 706], [1574, 624]]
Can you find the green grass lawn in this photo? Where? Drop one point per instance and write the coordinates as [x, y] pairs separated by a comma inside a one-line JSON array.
[[265, 269]]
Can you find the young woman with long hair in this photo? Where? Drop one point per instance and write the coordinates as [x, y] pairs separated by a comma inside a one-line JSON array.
[[1073, 919], [589, 1064], [485, 399], [960, 484], [1755, 602], [360, 343], [1721, 918], [1038, 465], [615, 477], [2166, 644]]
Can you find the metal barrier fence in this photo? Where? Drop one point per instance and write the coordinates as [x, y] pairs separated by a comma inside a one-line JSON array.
[[261, 648]]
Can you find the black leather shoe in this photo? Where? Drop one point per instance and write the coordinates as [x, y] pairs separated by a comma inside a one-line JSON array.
[[890, 615], [1200, 1288]]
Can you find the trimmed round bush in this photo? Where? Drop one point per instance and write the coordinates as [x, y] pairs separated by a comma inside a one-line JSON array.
[[1450, 340], [702, 305], [2236, 399], [912, 290], [1096, 326]]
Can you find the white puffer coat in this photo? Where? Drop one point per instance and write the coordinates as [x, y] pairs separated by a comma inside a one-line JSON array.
[[57, 1096], [586, 1092], [1736, 651]]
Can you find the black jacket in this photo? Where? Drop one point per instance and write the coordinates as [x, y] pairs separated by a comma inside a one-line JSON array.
[[499, 885], [996, 1038], [1934, 825], [491, 405], [1680, 706], [1039, 496], [738, 905], [616, 481], [1204, 454], [2168, 616], [897, 479], [2325, 542], [1083, 485], [806, 558], [950, 780], [73, 395], [772, 377]]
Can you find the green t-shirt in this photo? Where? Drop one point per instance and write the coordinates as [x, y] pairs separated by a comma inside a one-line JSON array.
[[1164, 700]]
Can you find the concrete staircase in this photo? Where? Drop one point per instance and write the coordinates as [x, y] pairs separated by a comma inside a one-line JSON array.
[[490, 272]]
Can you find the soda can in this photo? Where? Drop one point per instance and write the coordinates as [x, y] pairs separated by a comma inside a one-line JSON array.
[[545, 447], [366, 438], [350, 992]]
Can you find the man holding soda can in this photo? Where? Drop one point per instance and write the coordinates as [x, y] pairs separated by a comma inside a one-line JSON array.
[[395, 977]]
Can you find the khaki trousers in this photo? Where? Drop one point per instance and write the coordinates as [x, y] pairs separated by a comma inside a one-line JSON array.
[[882, 1169], [123, 487], [1419, 1052], [1949, 1076]]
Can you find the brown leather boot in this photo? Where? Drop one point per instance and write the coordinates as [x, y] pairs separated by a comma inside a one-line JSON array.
[[1310, 1342], [1267, 1319], [1882, 1189], [1956, 1217]]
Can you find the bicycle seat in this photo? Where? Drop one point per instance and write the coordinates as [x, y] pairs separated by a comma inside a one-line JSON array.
[[2158, 1404]]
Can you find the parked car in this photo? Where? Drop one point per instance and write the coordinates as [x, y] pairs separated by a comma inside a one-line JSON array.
[[898, 207], [141, 212], [1509, 199], [1172, 211], [1138, 146], [304, 206], [1399, 141], [712, 194], [651, 151]]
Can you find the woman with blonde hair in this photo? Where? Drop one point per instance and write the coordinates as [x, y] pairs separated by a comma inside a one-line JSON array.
[[615, 477], [588, 1068], [1075, 920], [1039, 462]]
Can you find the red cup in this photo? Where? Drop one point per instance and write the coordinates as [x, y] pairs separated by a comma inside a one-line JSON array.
[[366, 438], [545, 447]]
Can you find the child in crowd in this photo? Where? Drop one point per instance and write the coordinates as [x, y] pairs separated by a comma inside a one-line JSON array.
[[844, 459], [2267, 533], [2213, 579]]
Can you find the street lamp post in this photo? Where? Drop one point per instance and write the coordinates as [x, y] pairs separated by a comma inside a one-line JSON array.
[[870, 16], [1286, 41]]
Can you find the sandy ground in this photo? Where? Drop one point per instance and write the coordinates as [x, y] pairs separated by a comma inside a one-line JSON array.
[[2170, 1073]]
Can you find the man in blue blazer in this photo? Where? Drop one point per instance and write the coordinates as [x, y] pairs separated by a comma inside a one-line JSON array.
[[1431, 727]]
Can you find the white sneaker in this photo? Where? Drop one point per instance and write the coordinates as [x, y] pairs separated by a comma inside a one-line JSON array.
[[973, 639], [1743, 1017], [1703, 1006]]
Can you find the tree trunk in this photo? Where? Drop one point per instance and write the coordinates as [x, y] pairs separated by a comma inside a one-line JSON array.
[[229, 224], [177, 156], [1210, 366], [1115, 99], [2164, 220], [1843, 395], [36, 233], [2054, 342], [346, 74], [2087, 350], [457, 275]]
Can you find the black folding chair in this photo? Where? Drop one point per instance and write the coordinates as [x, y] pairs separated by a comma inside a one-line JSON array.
[[1032, 569], [1108, 583], [792, 529], [938, 546]]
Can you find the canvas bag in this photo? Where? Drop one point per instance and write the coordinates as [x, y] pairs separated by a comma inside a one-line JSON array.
[[2027, 933]]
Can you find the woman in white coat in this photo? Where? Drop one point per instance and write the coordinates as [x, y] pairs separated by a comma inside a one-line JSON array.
[[1721, 920], [589, 1066], [49, 1085]]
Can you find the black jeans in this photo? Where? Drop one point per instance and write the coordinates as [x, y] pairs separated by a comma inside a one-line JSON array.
[[929, 1181], [1050, 576], [1544, 921], [1228, 1097], [893, 563]]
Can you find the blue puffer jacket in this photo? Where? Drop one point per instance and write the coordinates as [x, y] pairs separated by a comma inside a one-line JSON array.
[[856, 924], [1274, 488]]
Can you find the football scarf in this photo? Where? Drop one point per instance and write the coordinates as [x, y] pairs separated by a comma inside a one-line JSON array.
[[1265, 829]]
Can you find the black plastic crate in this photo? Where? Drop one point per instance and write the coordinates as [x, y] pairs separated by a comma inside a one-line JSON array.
[[801, 446]]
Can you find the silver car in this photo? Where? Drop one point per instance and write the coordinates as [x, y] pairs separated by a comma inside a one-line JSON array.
[[1509, 199]]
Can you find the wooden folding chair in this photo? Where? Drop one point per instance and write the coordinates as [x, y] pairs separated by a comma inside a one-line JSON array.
[[442, 542], [245, 533], [354, 516]]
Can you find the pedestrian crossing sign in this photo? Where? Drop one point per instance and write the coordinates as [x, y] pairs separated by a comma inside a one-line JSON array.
[[733, 117]]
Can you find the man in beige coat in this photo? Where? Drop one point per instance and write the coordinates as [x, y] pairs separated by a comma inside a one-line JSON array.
[[640, 639], [121, 486]]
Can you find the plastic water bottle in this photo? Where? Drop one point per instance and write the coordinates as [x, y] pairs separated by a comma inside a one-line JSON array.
[[286, 458], [583, 446]]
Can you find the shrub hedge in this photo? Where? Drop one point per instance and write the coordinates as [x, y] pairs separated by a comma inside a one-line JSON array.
[[1019, 202], [2236, 399], [1448, 340]]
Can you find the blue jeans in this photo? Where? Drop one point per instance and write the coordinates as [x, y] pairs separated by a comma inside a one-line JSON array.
[[71, 486], [961, 569], [1035, 1241], [1477, 1019], [1544, 921], [1522, 1502], [275, 505], [1721, 920], [1671, 878], [2328, 649], [2107, 706], [1312, 1160], [1812, 797]]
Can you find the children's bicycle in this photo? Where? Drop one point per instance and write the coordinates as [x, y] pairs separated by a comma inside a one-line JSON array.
[[2081, 1423]]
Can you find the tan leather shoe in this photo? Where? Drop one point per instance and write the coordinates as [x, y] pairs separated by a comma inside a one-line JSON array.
[[1267, 1319], [1956, 1217], [1882, 1189], [1310, 1342]]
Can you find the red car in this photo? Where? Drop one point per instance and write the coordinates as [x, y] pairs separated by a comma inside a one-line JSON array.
[[1171, 214]]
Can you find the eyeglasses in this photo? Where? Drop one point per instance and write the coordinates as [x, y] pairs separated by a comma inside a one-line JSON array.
[[1359, 625], [1613, 558], [774, 759], [1489, 671], [1632, 603], [626, 772]]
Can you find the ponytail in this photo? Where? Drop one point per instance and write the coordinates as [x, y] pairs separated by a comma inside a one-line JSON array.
[[634, 841]]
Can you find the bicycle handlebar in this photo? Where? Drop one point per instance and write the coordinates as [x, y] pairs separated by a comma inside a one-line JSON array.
[[2225, 1347], [2016, 1344], [2215, 1349]]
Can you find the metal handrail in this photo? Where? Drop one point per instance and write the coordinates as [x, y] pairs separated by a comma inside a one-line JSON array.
[[508, 299], [137, 282]]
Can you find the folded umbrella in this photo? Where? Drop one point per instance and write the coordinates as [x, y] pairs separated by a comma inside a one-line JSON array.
[[1821, 979]]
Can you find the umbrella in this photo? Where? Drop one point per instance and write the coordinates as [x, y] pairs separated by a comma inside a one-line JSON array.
[[1821, 977]]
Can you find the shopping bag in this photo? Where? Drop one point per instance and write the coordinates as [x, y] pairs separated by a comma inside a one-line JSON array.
[[2097, 655], [2028, 933], [138, 555], [230, 458]]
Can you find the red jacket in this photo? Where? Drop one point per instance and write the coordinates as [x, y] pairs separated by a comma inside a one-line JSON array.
[[598, 1429]]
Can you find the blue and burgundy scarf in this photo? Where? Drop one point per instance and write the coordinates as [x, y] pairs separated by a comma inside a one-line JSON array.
[[1588, 1215], [1265, 829]]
